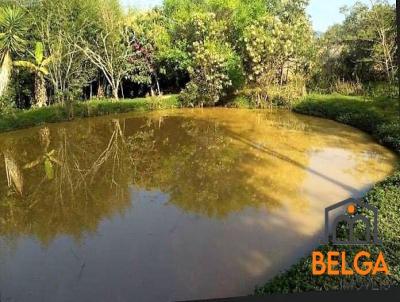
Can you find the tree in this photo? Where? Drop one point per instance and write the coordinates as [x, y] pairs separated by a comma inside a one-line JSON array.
[[274, 45], [39, 68], [12, 32], [362, 48], [112, 46], [151, 47], [60, 26], [382, 19]]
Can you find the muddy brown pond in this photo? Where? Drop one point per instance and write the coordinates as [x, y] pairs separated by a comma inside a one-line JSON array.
[[171, 205]]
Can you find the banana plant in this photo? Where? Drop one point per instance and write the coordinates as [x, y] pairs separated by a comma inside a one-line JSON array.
[[39, 69], [47, 158]]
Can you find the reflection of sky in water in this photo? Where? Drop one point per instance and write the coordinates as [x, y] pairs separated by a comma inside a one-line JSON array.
[[183, 204], [138, 195]]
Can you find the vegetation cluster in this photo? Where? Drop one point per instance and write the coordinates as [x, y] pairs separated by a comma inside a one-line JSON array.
[[80, 57], [212, 52]]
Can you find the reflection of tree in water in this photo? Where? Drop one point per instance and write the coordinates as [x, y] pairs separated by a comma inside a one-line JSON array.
[[66, 180], [73, 194], [198, 166], [46, 157], [13, 172]]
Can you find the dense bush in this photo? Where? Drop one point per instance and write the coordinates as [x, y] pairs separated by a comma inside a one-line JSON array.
[[275, 95], [6, 105], [379, 89], [216, 71], [361, 49], [347, 88]]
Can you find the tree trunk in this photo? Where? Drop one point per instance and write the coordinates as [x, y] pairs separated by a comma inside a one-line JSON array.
[[282, 74], [40, 91], [398, 46], [5, 73], [100, 90], [115, 92], [385, 55], [158, 90], [122, 91]]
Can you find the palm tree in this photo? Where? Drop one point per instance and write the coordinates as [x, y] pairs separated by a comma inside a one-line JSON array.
[[12, 31], [40, 71]]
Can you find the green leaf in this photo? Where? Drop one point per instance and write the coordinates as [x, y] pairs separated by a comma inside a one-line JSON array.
[[49, 169], [27, 65], [39, 53]]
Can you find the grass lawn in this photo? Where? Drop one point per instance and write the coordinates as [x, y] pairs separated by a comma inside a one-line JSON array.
[[380, 118], [58, 113]]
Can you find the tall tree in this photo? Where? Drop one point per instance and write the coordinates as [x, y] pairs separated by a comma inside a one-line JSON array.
[[60, 26], [12, 40], [363, 47], [151, 42], [398, 46], [382, 19], [112, 46]]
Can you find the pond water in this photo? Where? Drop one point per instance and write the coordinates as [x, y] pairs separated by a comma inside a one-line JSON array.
[[171, 205]]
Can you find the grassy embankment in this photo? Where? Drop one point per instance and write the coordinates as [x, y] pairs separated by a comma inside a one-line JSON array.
[[58, 113], [379, 117]]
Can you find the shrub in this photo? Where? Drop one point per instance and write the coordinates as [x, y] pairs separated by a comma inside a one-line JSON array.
[[275, 95], [240, 101], [381, 89], [216, 73], [389, 134], [347, 88], [6, 106]]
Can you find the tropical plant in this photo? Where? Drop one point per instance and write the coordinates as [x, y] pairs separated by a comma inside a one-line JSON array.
[[12, 32], [39, 69]]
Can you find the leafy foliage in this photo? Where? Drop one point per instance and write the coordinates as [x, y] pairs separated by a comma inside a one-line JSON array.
[[39, 68], [208, 49], [215, 69], [360, 50], [12, 30], [12, 40]]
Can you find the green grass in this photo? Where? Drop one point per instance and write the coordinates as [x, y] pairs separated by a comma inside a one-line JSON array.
[[380, 118], [58, 113], [240, 102]]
